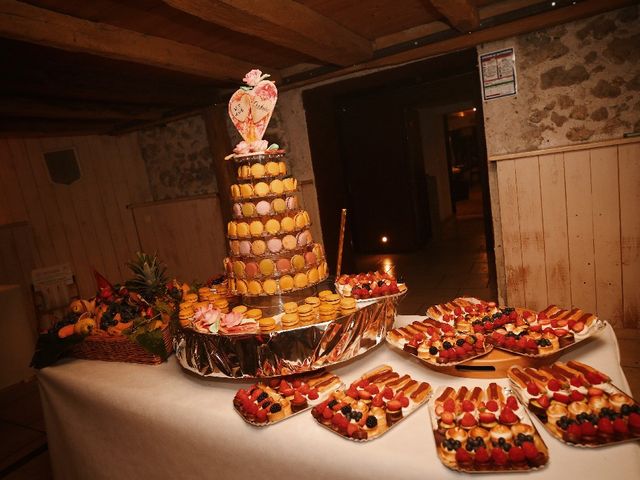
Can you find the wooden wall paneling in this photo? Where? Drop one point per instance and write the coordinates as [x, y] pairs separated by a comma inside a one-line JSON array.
[[554, 219], [577, 170], [514, 271], [117, 170], [43, 247], [12, 209], [48, 203], [105, 151], [11, 272], [496, 217], [606, 233], [531, 233], [95, 184], [629, 177], [134, 170]]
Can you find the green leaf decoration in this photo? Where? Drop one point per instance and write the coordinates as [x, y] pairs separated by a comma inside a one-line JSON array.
[[153, 343]]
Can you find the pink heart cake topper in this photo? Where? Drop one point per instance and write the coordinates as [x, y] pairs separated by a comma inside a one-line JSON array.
[[251, 107]]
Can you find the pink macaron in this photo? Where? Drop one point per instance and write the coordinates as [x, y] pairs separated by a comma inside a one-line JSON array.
[[237, 210], [245, 247], [263, 207], [274, 245], [310, 258], [292, 203], [303, 238]]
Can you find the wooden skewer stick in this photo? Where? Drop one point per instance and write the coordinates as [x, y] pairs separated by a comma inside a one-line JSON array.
[[343, 222]]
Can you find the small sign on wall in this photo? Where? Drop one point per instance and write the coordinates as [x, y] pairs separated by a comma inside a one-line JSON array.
[[498, 74]]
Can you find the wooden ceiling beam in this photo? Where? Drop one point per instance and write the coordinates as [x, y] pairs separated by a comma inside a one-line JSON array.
[[286, 23], [38, 127], [460, 14], [21, 21], [583, 9], [22, 107]]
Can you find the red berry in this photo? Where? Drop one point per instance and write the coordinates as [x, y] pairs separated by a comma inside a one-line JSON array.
[[576, 381], [544, 401], [620, 427], [364, 394], [634, 419], [561, 397], [595, 392], [492, 406], [516, 454], [468, 406], [283, 385], [512, 403], [588, 429], [487, 417], [574, 431], [298, 398], [450, 405], [554, 385], [533, 389], [372, 389], [327, 413], [352, 428], [530, 450], [468, 420], [261, 415], [447, 418], [394, 405], [404, 401], [387, 393], [377, 401], [594, 378], [605, 426], [507, 416], [297, 383], [482, 456], [462, 456], [576, 396], [499, 456], [353, 392]]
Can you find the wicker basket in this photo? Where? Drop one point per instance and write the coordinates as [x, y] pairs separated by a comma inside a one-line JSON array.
[[118, 348]]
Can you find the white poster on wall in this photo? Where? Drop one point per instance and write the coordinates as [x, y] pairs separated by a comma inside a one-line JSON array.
[[498, 74]]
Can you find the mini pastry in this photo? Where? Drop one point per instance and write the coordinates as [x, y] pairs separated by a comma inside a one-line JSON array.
[[458, 434], [276, 186], [310, 258], [261, 189], [288, 225], [303, 238], [297, 261], [254, 287], [266, 267], [237, 210], [250, 270], [258, 247], [300, 280], [326, 312], [267, 324], [279, 205], [286, 283], [555, 412], [235, 191], [522, 428], [248, 209], [292, 202], [394, 411], [222, 305], [234, 246], [500, 431], [289, 242], [257, 170], [238, 269], [298, 402], [289, 320], [305, 313], [283, 265], [256, 228], [347, 306], [263, 207], [269, 286], [290, 307], [300, 220], [274, 245], [479, 432], [232, 229], [290, 184], [241, 309], [244, 171], [243, 230], [254, 313], [245, 247], [282, 168], [576, 408], [313, 276], [275, 412], [323, 294], [332, 299], [272, 168], [191, 297], [617, 400], [272, 226], [598, 402], [241, 286], [246, 190], [322, 270], [313, 301]]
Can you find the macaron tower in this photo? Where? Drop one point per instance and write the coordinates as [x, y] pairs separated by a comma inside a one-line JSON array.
[[271, 248]]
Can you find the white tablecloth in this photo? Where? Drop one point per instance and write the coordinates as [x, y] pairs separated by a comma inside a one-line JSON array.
[[123, 421]]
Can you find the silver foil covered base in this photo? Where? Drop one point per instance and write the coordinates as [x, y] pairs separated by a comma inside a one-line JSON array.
[[285, 352]]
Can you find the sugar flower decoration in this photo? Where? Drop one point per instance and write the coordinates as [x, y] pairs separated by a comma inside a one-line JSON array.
[[251, 147], [254, 77]]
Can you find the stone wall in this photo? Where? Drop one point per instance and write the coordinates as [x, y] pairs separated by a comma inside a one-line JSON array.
[[578, 82], [178, 159]]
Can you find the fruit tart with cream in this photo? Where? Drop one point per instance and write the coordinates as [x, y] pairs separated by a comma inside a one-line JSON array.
[[273, 400], [482, 430], [372, 404], [364, 286], [577, 403]]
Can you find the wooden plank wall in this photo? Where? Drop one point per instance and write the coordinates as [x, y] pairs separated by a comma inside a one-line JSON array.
[[86, 223], [570, 227], [188, 235]]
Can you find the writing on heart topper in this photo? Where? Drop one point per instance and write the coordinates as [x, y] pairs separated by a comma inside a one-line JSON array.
[[250, 109]]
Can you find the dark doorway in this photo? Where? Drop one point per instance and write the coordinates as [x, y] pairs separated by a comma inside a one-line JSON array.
[[370, 139]]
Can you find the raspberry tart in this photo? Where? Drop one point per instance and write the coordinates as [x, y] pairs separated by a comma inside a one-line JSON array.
[[372, 404], [364, 286], [578, 404], [271, 401], [484, 430]]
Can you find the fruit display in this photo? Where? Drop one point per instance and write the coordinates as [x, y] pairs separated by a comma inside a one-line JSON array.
[[364, 286], [371, 405], [484, 430], [277, 399], [438, 343], [577, 403], [139, 310]]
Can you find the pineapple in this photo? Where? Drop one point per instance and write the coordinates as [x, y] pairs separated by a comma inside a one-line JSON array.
[[149, 280]]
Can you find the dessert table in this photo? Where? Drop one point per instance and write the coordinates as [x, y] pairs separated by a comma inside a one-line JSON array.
[[116, 420]]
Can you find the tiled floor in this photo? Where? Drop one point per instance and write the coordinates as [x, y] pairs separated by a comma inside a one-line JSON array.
[[456, 264]]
